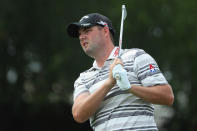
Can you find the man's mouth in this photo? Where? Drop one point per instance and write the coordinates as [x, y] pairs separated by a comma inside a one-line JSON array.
[[85, 44]]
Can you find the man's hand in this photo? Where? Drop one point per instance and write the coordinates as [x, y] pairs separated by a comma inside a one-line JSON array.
[[111, 79], [117, 69], [121, 77]]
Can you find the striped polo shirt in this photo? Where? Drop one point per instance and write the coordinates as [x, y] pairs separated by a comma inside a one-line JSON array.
[[121, 110]]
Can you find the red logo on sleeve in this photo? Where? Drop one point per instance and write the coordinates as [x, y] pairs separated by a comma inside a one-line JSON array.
[[152, 68]]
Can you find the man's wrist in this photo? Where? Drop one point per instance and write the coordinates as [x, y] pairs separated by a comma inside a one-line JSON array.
[[109, 83]]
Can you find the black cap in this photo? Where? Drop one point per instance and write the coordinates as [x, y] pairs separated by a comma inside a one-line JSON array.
[[90, 20]]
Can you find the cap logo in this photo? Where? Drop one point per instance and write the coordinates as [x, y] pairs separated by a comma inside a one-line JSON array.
[[86, 24], [102, 23], [84, 17]]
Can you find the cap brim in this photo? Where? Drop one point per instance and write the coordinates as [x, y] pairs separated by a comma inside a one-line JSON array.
[[73, 29]]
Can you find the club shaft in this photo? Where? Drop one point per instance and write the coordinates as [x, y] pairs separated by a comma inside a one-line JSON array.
[[121, 28]]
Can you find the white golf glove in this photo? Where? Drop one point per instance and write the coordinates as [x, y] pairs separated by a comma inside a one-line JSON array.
[[120, 74]]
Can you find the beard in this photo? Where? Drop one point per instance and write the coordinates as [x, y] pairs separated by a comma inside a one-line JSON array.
[[92, 49], [89, 50]]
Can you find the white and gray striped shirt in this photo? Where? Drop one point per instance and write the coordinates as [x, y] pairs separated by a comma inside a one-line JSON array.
[[121, 110]]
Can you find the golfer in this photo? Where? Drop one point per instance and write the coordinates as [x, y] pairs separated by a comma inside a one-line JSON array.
[[98, 97]]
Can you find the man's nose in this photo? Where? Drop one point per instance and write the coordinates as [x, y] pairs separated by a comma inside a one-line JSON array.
[[81, 37]]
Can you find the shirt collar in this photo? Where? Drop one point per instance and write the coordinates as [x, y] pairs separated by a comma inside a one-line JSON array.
[[113, 55]]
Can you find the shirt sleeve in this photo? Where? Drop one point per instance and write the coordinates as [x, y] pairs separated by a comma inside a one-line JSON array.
[[79, 87], [147, 70]]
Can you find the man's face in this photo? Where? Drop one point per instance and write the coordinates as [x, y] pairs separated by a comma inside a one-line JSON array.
[[91, 39]]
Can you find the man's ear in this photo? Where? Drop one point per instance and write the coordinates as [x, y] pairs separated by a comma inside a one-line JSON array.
[[106, 30]]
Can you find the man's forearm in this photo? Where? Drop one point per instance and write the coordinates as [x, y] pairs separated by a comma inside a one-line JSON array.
[[87, 104], [161, 94]]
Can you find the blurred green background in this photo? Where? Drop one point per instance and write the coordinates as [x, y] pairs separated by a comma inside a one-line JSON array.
[[39, 62]]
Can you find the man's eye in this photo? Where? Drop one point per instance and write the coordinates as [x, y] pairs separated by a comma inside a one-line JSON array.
[[88, 30]]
